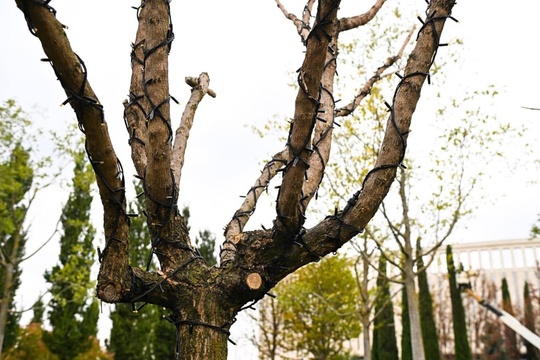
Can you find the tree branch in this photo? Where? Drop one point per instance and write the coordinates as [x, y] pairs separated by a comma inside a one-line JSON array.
[[135, 110], [199, 88], [73, 76], [339, 228], [324, 125], [290, 213], [44, 243], [168, 233], [303, 26], [378, 180], [360, 20], [366, 89], [242, 215]]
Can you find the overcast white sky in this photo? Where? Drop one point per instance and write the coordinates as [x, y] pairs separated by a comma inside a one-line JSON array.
[[249, 52]]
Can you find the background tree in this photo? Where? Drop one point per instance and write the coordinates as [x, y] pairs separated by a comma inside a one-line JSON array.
[[371, 297], [427, 319], [510, 339], [17, 174], [318, 303], [270, 337], [74, 313], [205, 241], [406, 347], [384, 327], [462, 349], [432, 212], [204, 300]]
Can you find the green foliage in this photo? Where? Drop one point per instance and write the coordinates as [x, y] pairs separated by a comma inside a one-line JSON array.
[[132, 333], [73, 313], [165, 338], [429, 329], [206, 244], [535, 230], [319, 308], [384, 332], [462, 348], [17, 176], [38, 311]]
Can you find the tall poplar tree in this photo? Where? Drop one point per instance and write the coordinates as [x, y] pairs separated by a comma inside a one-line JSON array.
[[462, 349], [16, 178], [74, 313]]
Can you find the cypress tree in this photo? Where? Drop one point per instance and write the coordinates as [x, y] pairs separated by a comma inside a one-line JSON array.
[[510, 340], [206, 244], [74, 313], [406, 346], [384, 331], [38, 310], [429, 329], [462, 348], [205, 241]]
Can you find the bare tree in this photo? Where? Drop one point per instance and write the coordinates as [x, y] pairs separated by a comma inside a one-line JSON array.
[[204, 300]]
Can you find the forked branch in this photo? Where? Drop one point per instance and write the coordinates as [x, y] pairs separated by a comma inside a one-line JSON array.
[[242, 215], [335, 230], [360, 20], [290, 213], [303, 26]]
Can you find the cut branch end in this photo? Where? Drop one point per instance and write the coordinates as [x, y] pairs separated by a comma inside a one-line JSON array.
[[254, 281]]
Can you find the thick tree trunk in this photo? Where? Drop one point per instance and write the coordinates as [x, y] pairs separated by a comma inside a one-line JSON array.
[[203, 329]]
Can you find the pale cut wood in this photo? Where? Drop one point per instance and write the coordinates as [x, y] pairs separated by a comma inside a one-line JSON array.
[[254, 281]]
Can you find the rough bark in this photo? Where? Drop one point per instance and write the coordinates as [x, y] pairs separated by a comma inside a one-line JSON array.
[[290, 210], [205, 300]]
